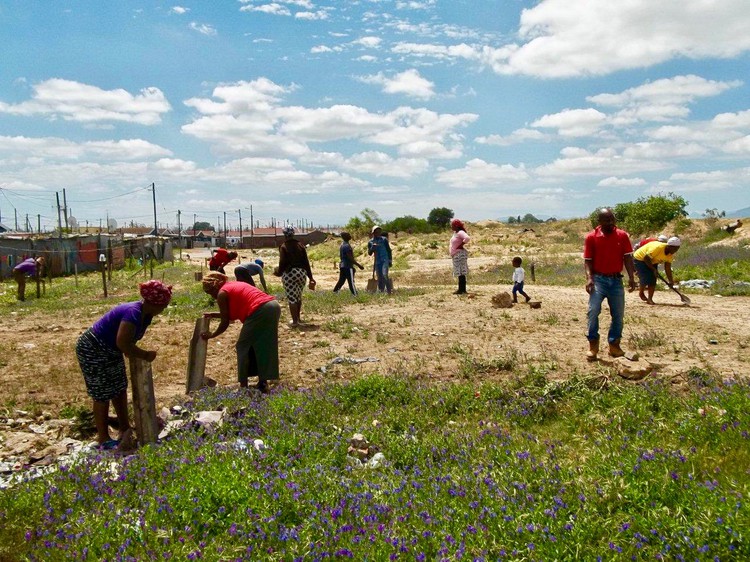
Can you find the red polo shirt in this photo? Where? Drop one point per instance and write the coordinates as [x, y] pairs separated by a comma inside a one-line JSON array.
[[606, 251]]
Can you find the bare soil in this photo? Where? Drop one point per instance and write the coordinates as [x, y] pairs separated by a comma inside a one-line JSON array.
[[428, 336]]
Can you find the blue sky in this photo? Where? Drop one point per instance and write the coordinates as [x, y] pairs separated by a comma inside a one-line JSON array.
[[315, 110]]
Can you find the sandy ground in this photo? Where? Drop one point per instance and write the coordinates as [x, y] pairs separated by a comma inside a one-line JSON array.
[[423, 336]]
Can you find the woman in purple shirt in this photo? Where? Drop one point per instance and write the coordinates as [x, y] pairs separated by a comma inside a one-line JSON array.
[[26, 267], [100, 352]]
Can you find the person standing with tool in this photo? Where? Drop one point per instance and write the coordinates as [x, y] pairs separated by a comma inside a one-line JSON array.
[[647, 258]]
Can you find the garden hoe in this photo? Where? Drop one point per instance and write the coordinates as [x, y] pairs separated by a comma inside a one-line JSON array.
[[683, 298]]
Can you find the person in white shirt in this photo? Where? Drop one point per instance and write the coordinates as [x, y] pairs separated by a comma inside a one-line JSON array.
[[519, 275]]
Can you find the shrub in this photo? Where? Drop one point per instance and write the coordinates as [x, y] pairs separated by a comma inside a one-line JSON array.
[[646, 214]]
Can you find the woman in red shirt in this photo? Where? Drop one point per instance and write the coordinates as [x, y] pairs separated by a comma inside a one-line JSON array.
[[258, 344]]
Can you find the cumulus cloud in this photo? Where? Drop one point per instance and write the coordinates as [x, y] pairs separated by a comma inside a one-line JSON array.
[[203, 28], [409, 83], [179, 10], [369, 42], [478, 173], [273, 8], [607, 161], [251, 118], [696, 182], [72, 101], [573, 122], [516, 137], [613, 181], [559, 38]]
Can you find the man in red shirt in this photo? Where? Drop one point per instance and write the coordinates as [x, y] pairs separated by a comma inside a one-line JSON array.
[[605, 251]]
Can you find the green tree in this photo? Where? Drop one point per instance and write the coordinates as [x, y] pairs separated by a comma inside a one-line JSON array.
[[440, 217], [408, 224], [529, 218], [363, 224], [646, 214], [202, 225]]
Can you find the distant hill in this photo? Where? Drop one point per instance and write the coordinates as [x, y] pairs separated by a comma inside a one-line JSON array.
[[739, 214]]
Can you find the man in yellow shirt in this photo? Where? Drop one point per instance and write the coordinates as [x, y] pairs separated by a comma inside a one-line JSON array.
[[647, 257]]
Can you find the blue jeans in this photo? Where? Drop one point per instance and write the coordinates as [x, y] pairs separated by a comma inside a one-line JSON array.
[[381, 272], [609, 288]]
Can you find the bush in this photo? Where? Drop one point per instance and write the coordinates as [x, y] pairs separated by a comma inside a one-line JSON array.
[[647, 214]]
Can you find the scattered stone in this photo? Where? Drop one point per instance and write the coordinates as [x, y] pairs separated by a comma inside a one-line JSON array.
[[713, 342], [632, 370], [535, 304], [376, 461], [696, 284], [210, 419], [502, 300], [632, 355]]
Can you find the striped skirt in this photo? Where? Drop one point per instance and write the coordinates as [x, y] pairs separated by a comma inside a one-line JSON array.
[[294, 283], [103, 368], [460, 263]]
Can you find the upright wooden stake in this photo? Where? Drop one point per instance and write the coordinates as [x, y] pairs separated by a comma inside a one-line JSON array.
[[196, 368], [104, 278], [75, 272], [144, 403]]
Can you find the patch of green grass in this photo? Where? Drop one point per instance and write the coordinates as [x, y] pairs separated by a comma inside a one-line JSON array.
[[547, 470]]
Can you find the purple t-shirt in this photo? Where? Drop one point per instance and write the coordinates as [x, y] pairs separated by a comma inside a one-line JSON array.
[[107, 326], [27, 266]]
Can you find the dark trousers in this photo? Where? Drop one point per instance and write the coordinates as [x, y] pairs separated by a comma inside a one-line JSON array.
[[346, 274]]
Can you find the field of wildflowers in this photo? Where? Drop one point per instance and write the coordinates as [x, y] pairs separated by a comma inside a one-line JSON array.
[[584, 469]]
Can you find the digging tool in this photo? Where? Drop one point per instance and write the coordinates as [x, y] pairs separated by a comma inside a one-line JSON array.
[[683, 298]]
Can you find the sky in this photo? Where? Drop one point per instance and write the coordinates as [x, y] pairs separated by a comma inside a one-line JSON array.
[[307, 110]]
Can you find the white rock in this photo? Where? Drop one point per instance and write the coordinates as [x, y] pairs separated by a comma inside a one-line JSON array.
[[376, 461]]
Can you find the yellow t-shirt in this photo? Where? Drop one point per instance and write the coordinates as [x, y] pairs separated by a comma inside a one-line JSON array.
[[655, 251]]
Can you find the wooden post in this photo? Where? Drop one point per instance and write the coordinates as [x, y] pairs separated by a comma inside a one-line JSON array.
[[75, 272], [104, 278], [38, 287], [109, 259], [533, 275], [144, 404], [196, 368]]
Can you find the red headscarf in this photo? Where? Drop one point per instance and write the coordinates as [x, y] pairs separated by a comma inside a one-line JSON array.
[[155, 292], [456, 224]]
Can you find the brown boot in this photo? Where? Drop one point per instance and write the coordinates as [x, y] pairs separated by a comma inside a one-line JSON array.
[[593, 350], [615, 350]]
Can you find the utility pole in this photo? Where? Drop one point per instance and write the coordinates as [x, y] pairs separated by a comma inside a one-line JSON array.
[[179, 230], [59, 219], [225, 228], [156, 226], [239, 211], [252, 229], [39, 224], [65, 208]]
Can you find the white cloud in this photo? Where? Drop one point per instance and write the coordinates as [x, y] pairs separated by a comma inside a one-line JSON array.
[[478, 173], [738, 146], [370, 42], [273, 8], [409, 83], [415, 4], [573, 122], [312, 16], [203, 28], [320, 49], [367, 58], [516, 137], [613, 181], [560, 38], [661, 150], [581, 162], [249, 118], [695, 182], [72, 101], [179, 10]]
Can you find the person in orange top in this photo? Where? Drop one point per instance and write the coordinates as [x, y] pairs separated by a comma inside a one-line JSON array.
[[258, 343]]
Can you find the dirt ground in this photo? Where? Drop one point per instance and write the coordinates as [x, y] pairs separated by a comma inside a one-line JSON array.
[[428, 336]]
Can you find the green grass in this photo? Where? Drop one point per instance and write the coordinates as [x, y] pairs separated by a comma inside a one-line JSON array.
[[527, 469]]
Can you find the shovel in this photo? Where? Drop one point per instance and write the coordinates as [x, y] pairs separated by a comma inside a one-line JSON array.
[[683, 298]]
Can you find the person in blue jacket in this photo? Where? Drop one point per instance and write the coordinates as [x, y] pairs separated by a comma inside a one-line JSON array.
[[379, 247]]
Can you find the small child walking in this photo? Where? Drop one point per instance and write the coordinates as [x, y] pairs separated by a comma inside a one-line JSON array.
[[518, 278]]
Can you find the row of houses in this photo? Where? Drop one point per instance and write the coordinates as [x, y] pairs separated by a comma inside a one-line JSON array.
[[87, 250]]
